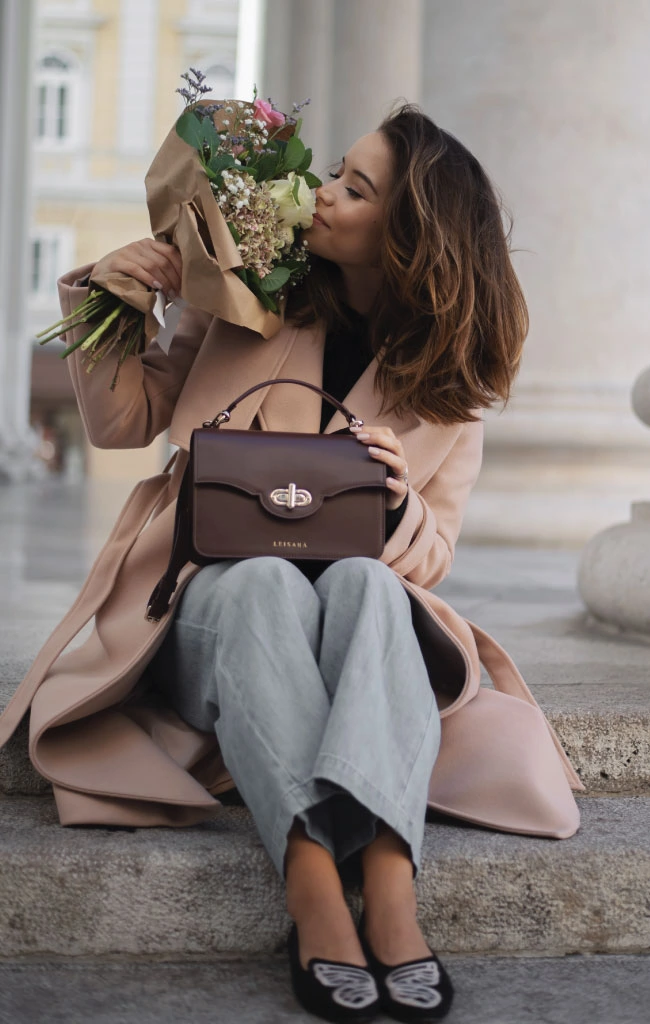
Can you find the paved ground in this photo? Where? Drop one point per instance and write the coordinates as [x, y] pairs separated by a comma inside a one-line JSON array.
[[573, 990]]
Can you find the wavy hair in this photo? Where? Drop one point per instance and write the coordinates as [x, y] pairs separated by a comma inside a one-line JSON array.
[[450, 320]]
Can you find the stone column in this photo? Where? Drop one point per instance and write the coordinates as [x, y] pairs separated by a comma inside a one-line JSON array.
[[352, 58], [377, 61], [16, 119], [551, 96]]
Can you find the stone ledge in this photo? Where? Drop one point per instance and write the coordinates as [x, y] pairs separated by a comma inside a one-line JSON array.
[[212, 890], [604, 728]]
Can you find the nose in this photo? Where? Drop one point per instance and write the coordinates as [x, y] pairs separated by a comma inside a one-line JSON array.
[[324, 195]]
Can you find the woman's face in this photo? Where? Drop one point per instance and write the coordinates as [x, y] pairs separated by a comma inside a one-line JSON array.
[[349, 209]]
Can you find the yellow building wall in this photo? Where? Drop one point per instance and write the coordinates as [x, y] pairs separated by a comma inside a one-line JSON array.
[[105, 91], [170, 54], [100, 226]]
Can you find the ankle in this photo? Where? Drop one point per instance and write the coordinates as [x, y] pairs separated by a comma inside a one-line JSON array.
[[313, 900], [382, 898], [312, 884]]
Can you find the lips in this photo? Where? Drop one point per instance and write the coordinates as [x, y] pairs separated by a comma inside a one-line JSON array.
[[319, 220]]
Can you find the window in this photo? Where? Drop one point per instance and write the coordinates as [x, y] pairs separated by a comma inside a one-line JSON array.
[[57, 91], [51, 255], [222, 80], [212, 9]]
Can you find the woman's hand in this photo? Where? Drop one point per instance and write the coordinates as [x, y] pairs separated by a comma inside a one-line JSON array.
[[385, 447], [156, 264]]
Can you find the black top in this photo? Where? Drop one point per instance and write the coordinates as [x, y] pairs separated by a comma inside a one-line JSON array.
[[347, 354]]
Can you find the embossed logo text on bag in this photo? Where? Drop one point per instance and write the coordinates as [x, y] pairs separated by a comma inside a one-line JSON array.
[[290, 544]]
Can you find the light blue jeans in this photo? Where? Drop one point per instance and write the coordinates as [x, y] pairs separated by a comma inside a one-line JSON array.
[[318, 694]]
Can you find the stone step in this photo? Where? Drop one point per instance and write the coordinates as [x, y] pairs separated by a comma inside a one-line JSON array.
[[604, 728], [211, 890], [488, 990]]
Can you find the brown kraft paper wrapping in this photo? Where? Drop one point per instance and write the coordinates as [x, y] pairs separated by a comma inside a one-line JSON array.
[[183, 211]]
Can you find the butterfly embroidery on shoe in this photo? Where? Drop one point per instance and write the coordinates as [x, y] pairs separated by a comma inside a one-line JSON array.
[[353, 987], [415, 985]]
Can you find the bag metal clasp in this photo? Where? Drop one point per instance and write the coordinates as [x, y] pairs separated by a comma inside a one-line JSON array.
[[291, 497]]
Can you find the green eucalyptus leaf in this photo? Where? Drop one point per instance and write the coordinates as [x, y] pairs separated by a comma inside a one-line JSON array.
[[305, 162], [294, 154], [189, 128], [268, 168], [221, 162], [209, 134], [255, 284], [275, 280], [265, 299], [234, 232], [312, 180]]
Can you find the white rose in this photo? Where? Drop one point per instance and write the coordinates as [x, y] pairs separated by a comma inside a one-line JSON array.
[[293, 214]]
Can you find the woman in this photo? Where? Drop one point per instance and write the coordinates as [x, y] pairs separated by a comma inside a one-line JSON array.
[[322, 685]]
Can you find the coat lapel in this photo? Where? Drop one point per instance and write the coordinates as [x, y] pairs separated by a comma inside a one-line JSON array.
[[231, 360], [287, 407]]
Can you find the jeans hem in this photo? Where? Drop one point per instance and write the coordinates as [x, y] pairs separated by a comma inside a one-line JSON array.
[[336, 769]]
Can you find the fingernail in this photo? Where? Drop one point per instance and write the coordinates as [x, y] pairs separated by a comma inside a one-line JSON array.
[[157, 285], [363, 437], [375, 451]]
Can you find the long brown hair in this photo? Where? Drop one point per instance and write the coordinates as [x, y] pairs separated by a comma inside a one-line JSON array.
[[449, 323]]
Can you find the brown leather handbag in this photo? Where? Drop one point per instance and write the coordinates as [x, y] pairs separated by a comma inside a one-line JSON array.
[[247, 493]]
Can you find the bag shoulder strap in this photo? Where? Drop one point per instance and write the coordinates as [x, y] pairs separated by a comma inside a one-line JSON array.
[[158, 603], [97, 587], [507, 678]]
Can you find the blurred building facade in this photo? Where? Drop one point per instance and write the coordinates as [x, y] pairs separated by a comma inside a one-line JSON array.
[[104, 81], [549, 95]]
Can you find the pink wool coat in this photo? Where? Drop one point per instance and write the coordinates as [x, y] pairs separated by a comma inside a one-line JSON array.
[[114, 755]]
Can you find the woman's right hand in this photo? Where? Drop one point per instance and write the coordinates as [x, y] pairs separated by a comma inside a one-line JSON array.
[[156, 264]]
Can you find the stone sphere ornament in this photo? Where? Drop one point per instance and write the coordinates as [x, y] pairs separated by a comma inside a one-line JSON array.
[[614, 572], [641, 397]]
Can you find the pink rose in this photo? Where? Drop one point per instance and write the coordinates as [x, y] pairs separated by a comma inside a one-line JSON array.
[[263, 111]]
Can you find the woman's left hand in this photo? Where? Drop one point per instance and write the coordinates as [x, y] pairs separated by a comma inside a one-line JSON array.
[[385, 447]]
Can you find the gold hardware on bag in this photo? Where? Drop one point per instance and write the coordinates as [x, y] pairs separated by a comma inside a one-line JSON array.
[[291, 496]]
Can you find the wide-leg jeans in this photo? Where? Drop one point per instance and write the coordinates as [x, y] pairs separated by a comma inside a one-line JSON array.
[[318, 693]]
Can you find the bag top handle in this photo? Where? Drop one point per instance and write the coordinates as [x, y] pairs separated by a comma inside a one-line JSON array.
[[224, 415]]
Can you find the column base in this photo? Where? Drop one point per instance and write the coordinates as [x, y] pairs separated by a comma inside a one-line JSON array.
[[547, 495], [614, 574]]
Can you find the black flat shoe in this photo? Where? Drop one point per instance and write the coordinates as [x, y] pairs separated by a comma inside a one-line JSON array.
[[332, 989], [417, 990]]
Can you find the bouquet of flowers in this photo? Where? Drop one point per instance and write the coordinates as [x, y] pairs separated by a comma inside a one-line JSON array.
[[230, 187]]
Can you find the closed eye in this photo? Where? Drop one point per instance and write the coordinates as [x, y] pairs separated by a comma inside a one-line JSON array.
[[352, 192]]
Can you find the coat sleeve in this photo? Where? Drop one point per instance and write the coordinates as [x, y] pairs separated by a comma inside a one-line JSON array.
[[143, 401], [422, 547]]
